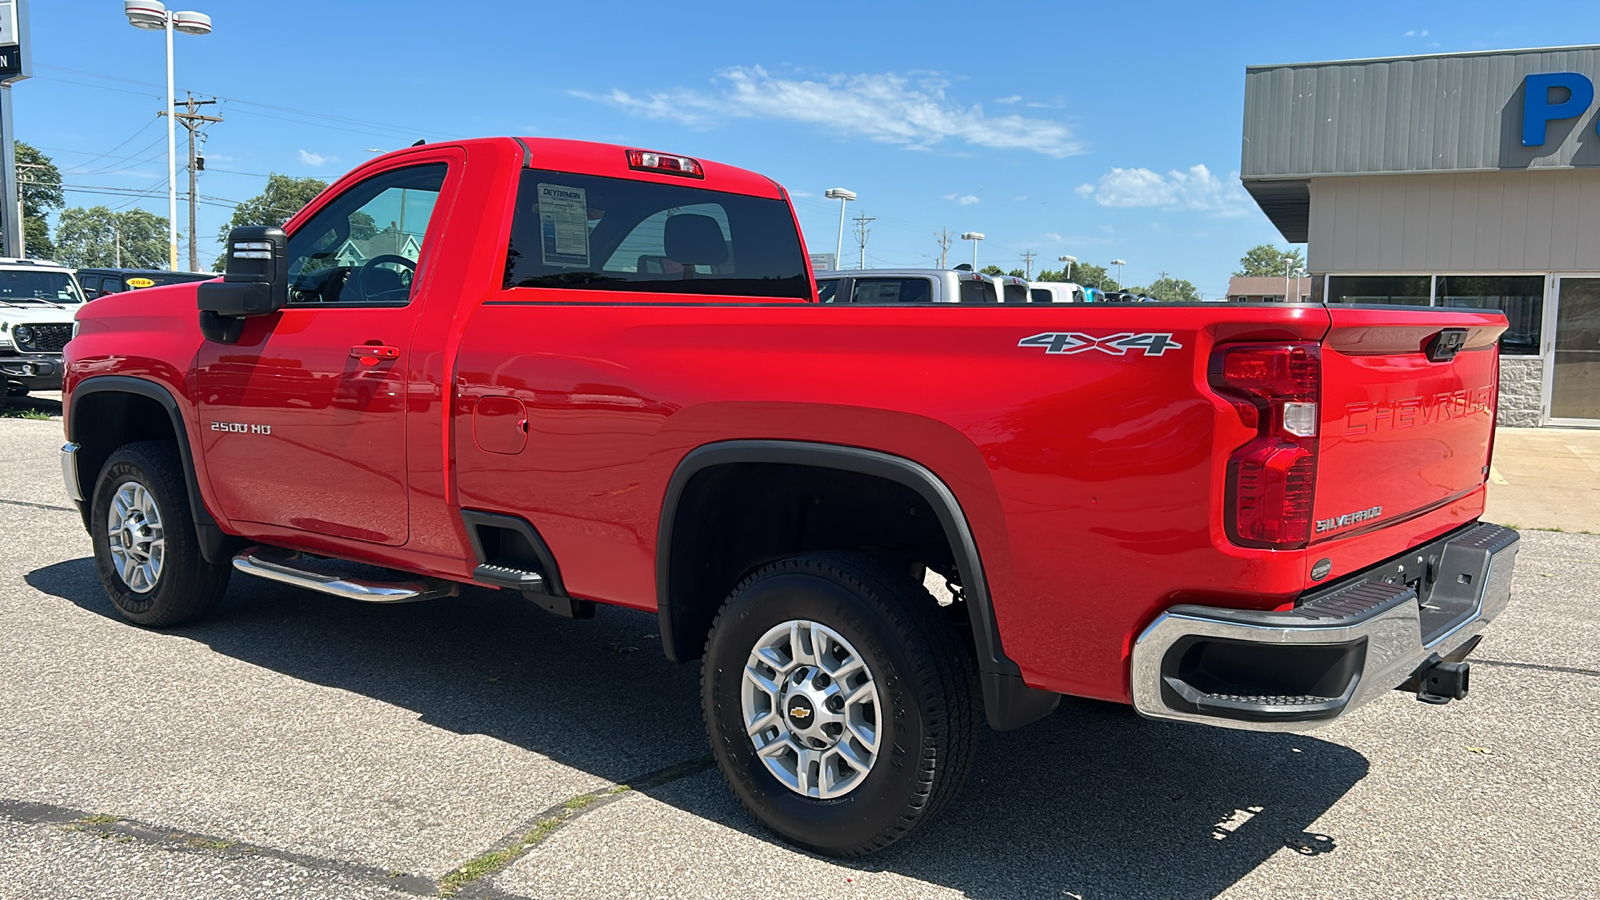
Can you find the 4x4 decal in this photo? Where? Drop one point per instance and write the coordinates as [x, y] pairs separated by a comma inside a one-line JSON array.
[[1069, 342]]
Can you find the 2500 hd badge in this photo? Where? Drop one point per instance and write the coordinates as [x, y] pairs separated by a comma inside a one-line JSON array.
[[241, 428]]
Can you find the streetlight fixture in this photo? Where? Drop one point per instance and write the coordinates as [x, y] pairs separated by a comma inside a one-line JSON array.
[[843, 196], [974, 237], [152, 15], [1069, 260], [1119, 263]]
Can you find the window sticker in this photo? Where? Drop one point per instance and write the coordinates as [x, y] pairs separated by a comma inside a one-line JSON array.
[[564, 226]]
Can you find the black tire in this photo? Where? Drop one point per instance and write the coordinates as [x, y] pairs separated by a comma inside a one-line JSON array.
[[186, 587], [927, 681]]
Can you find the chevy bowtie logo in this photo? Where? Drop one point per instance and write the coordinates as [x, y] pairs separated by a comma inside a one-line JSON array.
[[799, 712]]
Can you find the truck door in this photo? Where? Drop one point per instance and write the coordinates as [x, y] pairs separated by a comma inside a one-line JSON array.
[[303, 420]]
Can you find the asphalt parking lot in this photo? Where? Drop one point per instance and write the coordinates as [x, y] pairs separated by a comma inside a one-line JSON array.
[[300, 746]]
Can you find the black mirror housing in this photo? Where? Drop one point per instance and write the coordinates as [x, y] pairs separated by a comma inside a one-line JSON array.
[[256, 282]]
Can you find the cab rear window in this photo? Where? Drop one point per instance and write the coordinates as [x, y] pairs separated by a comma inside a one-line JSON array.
[[616, 234], [977, 291]]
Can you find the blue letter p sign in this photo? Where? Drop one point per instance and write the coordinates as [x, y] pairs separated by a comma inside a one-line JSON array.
[[1537, 110]]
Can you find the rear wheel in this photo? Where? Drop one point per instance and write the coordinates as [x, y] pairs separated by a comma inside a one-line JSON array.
[[839, 703], [145, 547]]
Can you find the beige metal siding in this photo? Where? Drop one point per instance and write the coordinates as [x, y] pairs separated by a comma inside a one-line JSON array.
[[1433, 113], [1468, 222]]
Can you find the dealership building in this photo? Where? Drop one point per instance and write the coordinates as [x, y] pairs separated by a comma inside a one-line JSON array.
[[1460, 180]]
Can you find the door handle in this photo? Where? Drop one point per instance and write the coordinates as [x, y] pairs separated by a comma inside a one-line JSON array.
[[370, 354]]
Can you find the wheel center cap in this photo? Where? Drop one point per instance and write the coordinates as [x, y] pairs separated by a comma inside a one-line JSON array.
[[800, 711]]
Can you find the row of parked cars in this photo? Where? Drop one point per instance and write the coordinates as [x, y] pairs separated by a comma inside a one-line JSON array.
[[38, 303], [960, 285]]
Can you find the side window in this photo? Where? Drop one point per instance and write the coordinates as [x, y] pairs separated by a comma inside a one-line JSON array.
[[977, 290], [90, 285], [112, 285], [827, 290], [1039, 295], [364, 247], [891, 290]]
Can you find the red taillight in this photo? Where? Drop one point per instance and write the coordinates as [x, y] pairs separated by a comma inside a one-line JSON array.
[[666, 164], [1272, 479]]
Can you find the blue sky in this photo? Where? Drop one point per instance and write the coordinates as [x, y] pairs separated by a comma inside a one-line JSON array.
[[1103, 131]]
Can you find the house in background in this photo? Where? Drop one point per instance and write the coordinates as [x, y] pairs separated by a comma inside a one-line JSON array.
[[389, 242], [1268, 290]]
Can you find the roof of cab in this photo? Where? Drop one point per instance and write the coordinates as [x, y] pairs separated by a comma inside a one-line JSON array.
[[611, 160], [590, 158]]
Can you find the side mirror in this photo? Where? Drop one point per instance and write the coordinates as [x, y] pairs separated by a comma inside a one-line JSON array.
[[255, 283]]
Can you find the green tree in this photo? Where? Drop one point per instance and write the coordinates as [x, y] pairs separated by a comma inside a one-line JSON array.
[[1173, 290], [1266, 260], [1092, 275], [91, 237], [992, 270], [285, 195], [39, 182]]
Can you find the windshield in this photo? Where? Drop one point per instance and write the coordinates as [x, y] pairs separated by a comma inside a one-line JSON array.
[[30, 287]]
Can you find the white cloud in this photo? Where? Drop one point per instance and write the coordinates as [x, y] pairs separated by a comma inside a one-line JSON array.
[[1052, 237], [1014, 98], [963, 199], [1192, 189], [1410, 34], [315, 159], [883, 107]]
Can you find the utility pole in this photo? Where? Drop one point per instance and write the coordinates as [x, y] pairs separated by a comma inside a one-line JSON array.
[[22, 222], [945, 240], [861, 235], [1027, 262], [193, 122]]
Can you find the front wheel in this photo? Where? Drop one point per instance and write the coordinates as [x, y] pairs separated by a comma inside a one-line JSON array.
[[839, 703], [145, 546]]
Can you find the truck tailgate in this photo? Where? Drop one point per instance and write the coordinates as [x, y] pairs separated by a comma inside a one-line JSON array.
[[1407, 424]]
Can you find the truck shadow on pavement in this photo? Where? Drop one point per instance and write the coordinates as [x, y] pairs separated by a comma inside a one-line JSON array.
[[1092, 801]]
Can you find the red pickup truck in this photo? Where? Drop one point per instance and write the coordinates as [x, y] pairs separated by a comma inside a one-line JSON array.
[[594, 374]]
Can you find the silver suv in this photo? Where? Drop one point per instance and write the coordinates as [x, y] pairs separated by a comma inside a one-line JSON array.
[[881, 287]]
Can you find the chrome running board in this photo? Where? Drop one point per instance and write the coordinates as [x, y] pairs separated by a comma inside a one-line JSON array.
[[323, 576]]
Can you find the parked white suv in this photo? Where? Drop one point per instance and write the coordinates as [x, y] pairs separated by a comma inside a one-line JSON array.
[[1055, 292], [38, 302]]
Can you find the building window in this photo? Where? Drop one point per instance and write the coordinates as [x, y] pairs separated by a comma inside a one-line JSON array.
[[1520, 297], [1407, 290]]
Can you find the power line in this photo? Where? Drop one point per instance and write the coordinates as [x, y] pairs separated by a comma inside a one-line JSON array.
[[400, 130]]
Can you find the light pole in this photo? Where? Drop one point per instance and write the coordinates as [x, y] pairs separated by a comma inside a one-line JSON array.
[[843, 196], [974, 237], [152, 15], [1119, 263], [1069, 260]]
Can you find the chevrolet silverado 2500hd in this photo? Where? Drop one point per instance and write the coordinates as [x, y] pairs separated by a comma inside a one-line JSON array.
[[594, 374]]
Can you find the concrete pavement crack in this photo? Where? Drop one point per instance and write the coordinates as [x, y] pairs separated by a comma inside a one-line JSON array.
[[1565, 670], [176, 840], [469, 881]]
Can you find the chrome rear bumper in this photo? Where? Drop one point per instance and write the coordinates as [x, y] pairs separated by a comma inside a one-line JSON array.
[[1344, 646]]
